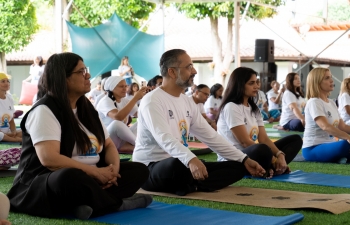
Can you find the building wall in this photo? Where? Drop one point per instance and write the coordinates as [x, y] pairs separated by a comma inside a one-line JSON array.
[[18, 73]]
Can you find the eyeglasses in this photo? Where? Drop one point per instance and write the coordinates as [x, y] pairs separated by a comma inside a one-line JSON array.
[[83, 71], [206, 94], [189, 67]]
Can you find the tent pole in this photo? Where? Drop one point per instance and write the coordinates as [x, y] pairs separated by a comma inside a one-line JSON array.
[[237, 46]]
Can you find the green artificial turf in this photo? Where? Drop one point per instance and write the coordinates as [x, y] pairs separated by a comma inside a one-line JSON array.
[[310, 216]]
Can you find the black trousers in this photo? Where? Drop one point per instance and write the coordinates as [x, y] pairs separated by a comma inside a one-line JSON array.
[[170, 175], [69, 188], [261, 153]]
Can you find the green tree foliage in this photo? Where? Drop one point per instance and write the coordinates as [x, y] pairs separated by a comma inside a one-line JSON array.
[[226, 9], [338, 10], [17, 24], [132, 12]]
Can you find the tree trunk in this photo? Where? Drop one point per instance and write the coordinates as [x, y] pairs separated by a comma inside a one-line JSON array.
[[3, 67], [217, 50], [228, 58]]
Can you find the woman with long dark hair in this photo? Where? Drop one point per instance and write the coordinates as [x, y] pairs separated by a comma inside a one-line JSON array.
[[69, 165], [241, 123], [293, 104]]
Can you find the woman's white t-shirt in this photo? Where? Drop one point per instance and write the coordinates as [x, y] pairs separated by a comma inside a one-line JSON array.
[[122, 69], [233, 115], [313, 134], [42, 125], [272, 105], [344, 100], [260, 99], [6, 112], [106, 104], [212, 102], [287, 114], [36, 71]]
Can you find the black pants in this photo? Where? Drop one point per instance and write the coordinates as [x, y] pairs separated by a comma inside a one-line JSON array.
[[261, 153], [170, 175], [69, 188]]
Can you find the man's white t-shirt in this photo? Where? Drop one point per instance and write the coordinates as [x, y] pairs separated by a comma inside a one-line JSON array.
[[344, 100], [313, 134], [272, 105], [164, 122], [122, 69], [260, 99], [287, 114], [212, 102], [42, 125], [94, 93], [106, 104], [234, 115], [6, 112], [200, 106]]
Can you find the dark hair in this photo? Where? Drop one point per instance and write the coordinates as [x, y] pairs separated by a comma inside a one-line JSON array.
[[53, 83], [214, 89], [290, 86], [200, 87], [41, 61], [154, 80], [131, 91], [169, 59], [236, 88]]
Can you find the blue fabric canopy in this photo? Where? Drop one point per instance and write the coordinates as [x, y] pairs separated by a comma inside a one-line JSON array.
[[102, 47]]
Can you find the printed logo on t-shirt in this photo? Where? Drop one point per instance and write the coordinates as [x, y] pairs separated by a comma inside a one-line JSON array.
[[329, 114], [5, 120], [245, 121], [9, 107], [253, 134], [188, 113], [95, 147], [260, 104], [183, 132], [171, 114]]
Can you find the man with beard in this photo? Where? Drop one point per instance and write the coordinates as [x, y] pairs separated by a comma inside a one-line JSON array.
[[165, 119]]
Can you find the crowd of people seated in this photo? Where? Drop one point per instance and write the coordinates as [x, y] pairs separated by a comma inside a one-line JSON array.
[[71, 140]]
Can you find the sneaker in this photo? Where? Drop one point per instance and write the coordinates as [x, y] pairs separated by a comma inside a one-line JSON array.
[[136, 201], [83, 212]]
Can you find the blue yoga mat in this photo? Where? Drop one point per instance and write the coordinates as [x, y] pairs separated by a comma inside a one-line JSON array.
[[322, 179], [161, 213]]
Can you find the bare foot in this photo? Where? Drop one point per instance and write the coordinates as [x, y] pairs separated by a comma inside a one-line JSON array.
[[278, 127], [4, 222]]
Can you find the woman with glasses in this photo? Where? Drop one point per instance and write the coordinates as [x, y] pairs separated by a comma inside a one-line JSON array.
[[213, 103], [240, 122], [69, 164], [114, 110], [326, 136], [125, 70]]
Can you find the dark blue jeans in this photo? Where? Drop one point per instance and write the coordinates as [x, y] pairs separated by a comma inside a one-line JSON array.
[[294, 125]]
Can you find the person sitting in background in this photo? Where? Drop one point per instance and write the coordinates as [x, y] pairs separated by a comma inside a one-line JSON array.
[[114, 110], [323, 124], [103, 92], [69, 165], [274, 96], [36, 70], [165, 119], [191, 90], [240, 122], [213, 103], [132, 89], [8, 131], [95, 92], [200, 96], [344, 101], [155, 82], [4, 209], [293, 104], [272, 115]]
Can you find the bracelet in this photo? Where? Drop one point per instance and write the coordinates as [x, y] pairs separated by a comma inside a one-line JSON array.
[[245, 159], [279, 153]]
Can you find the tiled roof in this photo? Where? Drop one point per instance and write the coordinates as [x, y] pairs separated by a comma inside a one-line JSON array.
[[332, 26]]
